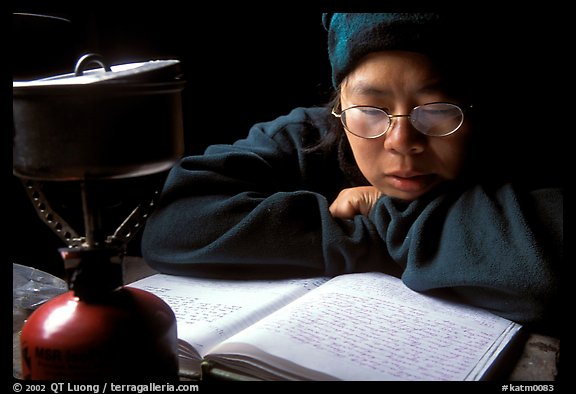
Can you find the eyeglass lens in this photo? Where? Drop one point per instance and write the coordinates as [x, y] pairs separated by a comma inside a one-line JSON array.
[[435, 119]]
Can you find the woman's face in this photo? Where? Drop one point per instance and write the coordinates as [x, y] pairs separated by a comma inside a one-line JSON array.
[[403, 162]]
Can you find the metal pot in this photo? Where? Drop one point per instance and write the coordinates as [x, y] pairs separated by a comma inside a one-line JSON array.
[[123, 121]]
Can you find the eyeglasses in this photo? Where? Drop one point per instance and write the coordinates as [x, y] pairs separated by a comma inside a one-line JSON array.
[[432, 119]]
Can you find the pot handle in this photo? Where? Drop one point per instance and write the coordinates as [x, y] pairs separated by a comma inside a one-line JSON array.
[[88, 59]]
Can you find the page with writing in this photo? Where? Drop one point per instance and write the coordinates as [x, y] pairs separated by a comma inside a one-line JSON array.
[[370, 326], [210, 310]]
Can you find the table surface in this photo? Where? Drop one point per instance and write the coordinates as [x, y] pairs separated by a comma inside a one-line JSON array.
[[537, 362]]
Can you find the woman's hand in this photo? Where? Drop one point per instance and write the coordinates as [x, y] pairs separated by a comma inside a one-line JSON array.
[[354, 201]]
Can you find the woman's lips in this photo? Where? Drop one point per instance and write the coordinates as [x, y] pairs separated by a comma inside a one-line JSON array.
[[410, 182]]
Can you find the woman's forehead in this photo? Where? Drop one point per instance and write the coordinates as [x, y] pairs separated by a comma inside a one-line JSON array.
[[382, 74]]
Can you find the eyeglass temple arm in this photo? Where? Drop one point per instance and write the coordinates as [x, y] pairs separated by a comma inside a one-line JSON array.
[[338, 115]]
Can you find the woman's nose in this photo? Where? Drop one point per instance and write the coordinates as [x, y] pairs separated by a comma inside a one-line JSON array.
[[403, 138]]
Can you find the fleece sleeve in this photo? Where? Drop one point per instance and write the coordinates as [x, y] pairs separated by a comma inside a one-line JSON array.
[[259, 202]]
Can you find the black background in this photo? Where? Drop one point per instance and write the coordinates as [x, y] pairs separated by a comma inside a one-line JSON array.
[[241, 67]]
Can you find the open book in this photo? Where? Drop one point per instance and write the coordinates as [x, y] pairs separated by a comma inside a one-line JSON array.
[[366, 326]]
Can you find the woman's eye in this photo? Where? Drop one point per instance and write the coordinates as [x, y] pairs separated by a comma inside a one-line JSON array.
[[371, 111], [436, 112]]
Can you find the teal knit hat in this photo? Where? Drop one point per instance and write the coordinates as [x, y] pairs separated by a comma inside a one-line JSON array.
[[352, 36]]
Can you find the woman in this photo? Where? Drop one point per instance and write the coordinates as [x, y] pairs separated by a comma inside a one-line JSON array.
[[386, 178]]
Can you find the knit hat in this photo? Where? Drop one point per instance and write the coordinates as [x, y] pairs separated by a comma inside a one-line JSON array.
[[352, 36]]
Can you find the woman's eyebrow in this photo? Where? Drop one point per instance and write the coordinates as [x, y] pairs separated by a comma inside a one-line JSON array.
[[436, 86], [366, 89]]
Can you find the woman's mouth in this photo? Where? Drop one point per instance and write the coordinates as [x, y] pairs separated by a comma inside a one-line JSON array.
[[410, 182]]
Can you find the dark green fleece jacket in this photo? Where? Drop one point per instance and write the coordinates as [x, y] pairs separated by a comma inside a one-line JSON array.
[[263, 202]]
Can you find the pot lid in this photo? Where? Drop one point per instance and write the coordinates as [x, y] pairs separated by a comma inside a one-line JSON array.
[[140, 72]]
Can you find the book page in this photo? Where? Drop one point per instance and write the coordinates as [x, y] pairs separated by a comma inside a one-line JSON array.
[[372, 327], [210, 310]]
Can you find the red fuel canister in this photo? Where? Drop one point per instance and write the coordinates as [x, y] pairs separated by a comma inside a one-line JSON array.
[[100, 329]]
